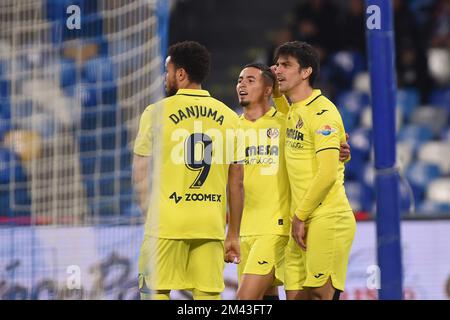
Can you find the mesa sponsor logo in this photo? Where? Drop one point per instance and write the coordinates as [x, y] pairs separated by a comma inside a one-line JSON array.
[[261, 150]]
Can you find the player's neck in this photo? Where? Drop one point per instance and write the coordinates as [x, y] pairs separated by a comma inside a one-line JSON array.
[[191, 85], [255, 111], [302, 92]]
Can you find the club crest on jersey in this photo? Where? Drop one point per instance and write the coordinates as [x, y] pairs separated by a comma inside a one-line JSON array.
[[273, 133], [326, 130], [299, 124]]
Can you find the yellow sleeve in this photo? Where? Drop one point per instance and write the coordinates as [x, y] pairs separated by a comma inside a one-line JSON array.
[[326, 175], [281, 104], [326, 128], [143, 142]]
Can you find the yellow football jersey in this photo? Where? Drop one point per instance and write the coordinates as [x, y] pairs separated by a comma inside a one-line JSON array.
[[313, 125], [266, 184], [192, 139]]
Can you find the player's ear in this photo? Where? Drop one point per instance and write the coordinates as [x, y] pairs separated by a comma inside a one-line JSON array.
[[306, 72], [181, 74], [268, 91]]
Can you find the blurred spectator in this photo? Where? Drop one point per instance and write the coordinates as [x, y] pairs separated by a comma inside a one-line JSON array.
[[412, 65], [352, 27], [440, 30], [316, 23], [282, 36], [439, 43]]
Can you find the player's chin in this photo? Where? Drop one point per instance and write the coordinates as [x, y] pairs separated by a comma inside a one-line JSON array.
[[282, 86], [244, 103]]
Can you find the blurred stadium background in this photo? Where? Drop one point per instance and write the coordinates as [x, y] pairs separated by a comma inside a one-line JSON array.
[[70, 101]]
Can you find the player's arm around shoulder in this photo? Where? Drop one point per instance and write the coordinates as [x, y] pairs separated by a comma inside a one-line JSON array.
[[281, 103]]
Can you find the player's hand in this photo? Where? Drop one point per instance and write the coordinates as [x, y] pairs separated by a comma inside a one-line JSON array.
[[299, 232], [232, 250], [344, 152], [276, 87]]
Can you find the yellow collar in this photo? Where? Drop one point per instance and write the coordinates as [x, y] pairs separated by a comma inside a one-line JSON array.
[[315, 94], [193, 92], [272, 111]]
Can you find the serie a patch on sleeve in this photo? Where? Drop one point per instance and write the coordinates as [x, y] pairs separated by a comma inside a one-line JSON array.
[[326, 130]]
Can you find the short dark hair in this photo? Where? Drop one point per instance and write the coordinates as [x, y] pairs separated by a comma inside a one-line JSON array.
[[305, 54], [193, 57], [265, 71]]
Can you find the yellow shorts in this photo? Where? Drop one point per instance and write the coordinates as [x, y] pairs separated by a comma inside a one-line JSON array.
[[329, 238], [261, 254], [173, 264]]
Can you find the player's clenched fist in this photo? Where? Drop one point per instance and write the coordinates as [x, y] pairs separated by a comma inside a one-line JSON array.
[[232, 250]]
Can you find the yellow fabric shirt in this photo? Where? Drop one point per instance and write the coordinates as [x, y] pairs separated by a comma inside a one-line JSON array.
[[266, 184], [192, 139], [313, 125]]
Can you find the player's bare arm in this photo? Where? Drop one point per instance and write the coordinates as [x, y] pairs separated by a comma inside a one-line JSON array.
[[236, 203], [140, 175], [344, 152]]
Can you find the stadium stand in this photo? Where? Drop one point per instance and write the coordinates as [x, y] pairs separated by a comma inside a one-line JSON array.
[[75, 96]]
